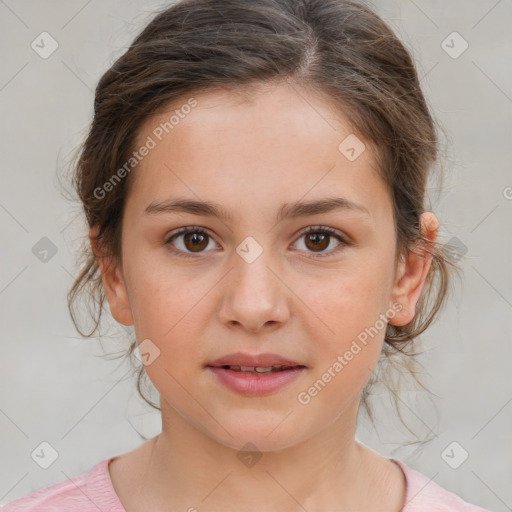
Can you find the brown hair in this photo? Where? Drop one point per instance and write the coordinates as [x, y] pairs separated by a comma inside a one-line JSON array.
[[338, 48]]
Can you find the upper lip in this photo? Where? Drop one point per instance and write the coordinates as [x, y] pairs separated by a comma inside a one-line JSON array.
[[258, 360]]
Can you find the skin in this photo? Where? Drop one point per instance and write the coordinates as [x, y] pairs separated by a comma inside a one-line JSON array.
[[253, 153]]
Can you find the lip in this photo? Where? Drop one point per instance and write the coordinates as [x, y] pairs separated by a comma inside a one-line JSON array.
[[244, 359], [254, 384]]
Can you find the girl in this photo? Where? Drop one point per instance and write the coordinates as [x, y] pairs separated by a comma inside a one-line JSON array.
[[254, 180]]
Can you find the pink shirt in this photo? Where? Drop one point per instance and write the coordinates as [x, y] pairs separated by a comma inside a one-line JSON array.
[[93, 491]]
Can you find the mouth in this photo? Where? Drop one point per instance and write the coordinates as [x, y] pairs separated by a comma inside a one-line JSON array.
[[242, 361], [257, 369], [257, 375]]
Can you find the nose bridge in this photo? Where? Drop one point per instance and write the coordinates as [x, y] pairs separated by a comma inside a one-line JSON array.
[[252, 273], [253, 294]]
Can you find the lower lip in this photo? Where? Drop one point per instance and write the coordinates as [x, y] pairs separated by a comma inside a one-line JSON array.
[[254, 384]]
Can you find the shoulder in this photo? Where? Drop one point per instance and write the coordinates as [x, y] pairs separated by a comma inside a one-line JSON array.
[[422, 494], [89, 492]]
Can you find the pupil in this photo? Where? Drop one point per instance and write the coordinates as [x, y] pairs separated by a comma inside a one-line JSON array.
[[318, 238], [196, 239]]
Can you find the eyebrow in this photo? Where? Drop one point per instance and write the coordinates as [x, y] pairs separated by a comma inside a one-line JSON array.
[[287, 210]]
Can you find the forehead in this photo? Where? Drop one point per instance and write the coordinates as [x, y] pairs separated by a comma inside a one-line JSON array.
[[265, 140], [276, 111]]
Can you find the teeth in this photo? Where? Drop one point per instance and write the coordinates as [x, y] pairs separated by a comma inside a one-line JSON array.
[[260, 369], [257, 369]]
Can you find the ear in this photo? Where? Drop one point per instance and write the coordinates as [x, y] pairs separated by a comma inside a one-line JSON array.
[[412, 273], [113, 283]]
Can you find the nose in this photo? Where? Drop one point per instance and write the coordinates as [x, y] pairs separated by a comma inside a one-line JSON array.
[[253, 295]]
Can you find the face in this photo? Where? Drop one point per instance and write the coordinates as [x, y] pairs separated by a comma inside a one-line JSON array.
[[255, 282]]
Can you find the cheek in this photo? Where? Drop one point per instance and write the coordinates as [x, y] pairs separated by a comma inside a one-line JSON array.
[[346, 316], [349, 341], [353, 295], [167, 309], [164, 299]]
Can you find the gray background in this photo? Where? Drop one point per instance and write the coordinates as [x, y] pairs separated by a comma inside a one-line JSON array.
[[59, 388]]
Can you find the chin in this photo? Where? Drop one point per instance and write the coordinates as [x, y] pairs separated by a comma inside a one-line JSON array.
[[264, 435]]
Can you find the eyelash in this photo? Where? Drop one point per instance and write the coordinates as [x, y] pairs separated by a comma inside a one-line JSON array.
[[311, 229]]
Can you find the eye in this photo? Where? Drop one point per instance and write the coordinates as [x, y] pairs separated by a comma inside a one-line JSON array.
[[194, 239], [318, 238]]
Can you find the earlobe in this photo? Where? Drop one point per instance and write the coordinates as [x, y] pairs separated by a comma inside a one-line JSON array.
[[114, 285], [413, 272]]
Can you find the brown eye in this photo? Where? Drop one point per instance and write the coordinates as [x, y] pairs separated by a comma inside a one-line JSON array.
[[318, 238], [188, 241], [317, 241], [195, 241]]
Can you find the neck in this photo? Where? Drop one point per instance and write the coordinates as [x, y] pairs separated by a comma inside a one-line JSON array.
[[184, 468]]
